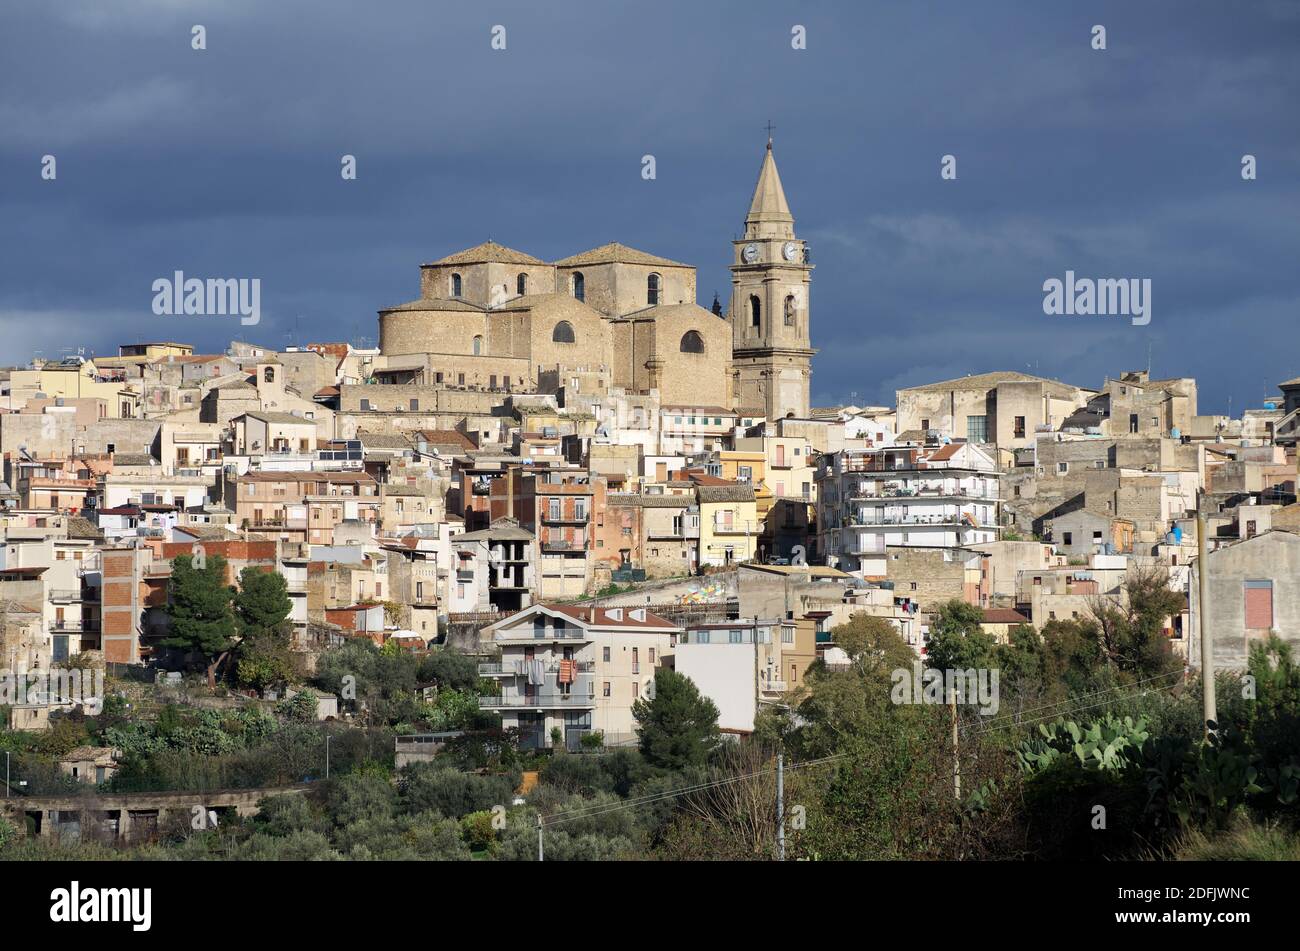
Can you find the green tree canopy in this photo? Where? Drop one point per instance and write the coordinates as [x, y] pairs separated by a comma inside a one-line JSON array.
[[199, 607], [677, 727], [957, 639]]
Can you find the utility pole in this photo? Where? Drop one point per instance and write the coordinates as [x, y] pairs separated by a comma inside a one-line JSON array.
[[1209, 713], [6, 774], [327, 756], [540, 854], [956, 754], [780, 807]]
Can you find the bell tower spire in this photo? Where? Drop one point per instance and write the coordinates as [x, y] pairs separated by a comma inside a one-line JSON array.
[[771, 350]]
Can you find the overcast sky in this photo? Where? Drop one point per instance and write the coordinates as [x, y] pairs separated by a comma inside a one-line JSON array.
[[1114, 164]]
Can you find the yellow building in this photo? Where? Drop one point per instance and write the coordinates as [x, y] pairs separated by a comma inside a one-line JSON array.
[[729, 525], [74, 378]]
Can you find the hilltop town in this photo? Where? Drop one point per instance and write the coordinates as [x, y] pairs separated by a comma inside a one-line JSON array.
[[566, 539]]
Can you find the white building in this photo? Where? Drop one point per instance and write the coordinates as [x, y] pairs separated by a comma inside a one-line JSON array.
[[926, 497]]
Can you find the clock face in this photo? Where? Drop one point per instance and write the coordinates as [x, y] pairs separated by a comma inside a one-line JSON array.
[[791, 250], [750, 254]]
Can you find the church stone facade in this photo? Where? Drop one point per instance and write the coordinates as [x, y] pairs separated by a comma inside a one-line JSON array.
[[492, 317]]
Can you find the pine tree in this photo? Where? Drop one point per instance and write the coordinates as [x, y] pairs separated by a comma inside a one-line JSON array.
[[677, 727], [199, 608]]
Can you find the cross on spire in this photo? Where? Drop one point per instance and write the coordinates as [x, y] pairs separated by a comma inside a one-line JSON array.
[[769, 127]]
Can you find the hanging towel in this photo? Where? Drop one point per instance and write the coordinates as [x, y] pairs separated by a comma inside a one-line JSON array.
[[568, 671]]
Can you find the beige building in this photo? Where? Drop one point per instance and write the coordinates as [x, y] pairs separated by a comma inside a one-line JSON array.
[[1003, 408], [575, 669]]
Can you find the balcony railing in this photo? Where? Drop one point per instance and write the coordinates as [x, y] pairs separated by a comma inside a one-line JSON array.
[[519, 668], [539, 701], [74, 594], [543, 634]]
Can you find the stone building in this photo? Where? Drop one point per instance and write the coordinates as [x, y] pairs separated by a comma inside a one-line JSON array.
[[496, 319]]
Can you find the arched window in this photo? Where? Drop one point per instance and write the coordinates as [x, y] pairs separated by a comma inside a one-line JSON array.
[[652, 290], [579, 286], [692, 342], [455, 285], [789, 311], [563, 332], [269, 375], [478, 346], [755, 312], [521, 285]]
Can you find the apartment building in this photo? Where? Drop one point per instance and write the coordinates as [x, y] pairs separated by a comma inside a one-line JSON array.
[[574, 669], [301, 506], [908, 496]]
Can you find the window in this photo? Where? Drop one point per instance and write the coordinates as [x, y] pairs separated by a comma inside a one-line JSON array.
[[636, 690], [652, 656], [755, 313], [1062, 467], [1132, 422], [1020, 427], [605, 689], [478, 346], [579, 286], [563, 332], [1068, 538], [692, 342], [925, 424], [1259, 605], [977, 429], [365, 406], [521, 285], [415, 406], [455, 285], [789, 311], [652, 290], [605, 654]]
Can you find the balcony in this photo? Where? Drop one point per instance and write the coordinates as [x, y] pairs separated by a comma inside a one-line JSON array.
[[570, 701], [775, 686], [519, 667], [68, 624], [533, 635], [71, 595]]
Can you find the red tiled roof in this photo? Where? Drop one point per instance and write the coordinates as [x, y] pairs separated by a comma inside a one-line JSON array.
[[601, 616]]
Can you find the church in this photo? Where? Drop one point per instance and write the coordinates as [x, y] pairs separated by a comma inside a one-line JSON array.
[[491, 317]]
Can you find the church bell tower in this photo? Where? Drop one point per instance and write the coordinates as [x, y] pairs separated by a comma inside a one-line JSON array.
[[770, 342]]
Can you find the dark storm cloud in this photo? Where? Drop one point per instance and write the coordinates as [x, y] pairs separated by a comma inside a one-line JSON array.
[[1122, 163]]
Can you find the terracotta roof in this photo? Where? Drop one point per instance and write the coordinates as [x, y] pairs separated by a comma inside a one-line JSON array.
[[602, 617], [488, 251], [945, 452], [615, 253]]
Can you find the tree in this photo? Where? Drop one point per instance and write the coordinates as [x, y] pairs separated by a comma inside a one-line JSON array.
[[1132, 632], [199, 608], [262, 603], [262, 607], [677, 727], [873, 644], [958, 640]]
